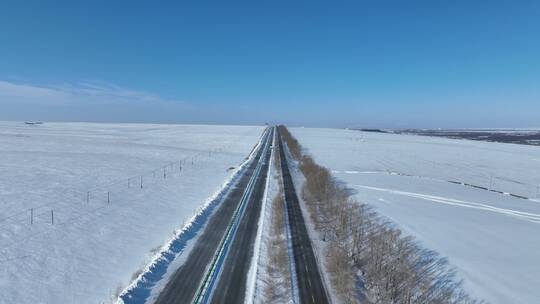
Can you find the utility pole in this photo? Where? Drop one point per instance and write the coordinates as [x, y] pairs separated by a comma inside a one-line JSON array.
[[31, 216], [52, 217], [141, 181], [108, 197]]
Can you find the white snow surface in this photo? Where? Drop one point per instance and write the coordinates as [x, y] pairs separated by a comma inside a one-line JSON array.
[[258, 276], [490, 238], [94, 248]]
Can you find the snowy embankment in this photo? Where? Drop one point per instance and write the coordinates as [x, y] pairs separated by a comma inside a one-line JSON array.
[[491, 238], [85, 207], [270, 274], [257, 272]]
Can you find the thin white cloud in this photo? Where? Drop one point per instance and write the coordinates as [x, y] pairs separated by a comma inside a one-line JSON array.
[[91, 101], [14, 90], [80, 93]]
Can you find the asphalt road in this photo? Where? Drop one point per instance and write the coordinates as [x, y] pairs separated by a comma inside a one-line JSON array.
[[231, 285], [310, 285]]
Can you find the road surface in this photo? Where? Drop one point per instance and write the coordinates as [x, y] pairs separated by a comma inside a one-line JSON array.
[[310, 285], [217, 267], [185, 285]]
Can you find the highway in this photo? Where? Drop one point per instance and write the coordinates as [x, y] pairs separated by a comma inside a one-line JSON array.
[[231, 287], [311, 288], [215, 270]]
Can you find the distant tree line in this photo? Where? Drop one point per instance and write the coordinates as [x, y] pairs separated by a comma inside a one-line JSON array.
[[368, 258]]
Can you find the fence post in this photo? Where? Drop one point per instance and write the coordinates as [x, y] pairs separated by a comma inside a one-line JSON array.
[[164, 172], [52, 217], [141, 181], [108, 197], [87, 197], [31, 216]]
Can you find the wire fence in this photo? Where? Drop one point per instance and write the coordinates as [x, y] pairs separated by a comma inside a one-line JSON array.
[[486, 176], [71, 205], [37, 238], [486, 180], [462, 174]]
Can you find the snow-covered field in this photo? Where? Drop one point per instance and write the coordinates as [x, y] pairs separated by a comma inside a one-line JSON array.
[[491, 238], [87, 179]]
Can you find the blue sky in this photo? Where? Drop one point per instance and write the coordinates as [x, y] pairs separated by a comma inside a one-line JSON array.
[[371, 64]]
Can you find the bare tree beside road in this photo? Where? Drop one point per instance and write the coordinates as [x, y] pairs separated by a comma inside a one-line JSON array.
[[367, 252]]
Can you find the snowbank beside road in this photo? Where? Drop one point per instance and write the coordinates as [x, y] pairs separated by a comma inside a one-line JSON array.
[[105, 227]]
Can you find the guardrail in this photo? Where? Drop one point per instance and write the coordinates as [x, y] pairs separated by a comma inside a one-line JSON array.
[[205, 290]]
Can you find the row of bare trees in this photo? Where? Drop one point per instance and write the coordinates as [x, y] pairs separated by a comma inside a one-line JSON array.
[[368, 258]]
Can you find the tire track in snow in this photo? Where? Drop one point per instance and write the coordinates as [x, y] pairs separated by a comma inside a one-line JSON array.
[[532, 217], [456, 182]]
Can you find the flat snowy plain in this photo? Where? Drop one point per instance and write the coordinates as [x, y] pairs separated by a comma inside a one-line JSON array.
[[492, 239], [106, 228]]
